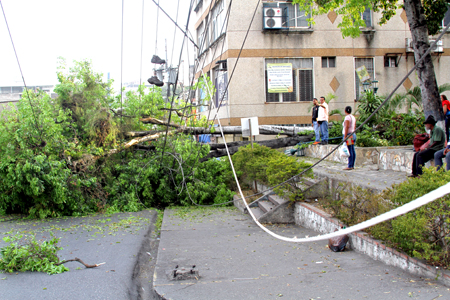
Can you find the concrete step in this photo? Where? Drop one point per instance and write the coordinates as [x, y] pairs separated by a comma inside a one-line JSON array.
[[276, 200], [257, 212], [266, 206]]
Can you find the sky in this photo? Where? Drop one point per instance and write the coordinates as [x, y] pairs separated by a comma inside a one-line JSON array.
[[44, 30]]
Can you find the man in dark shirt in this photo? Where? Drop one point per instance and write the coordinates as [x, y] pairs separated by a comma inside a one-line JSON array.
[[315, 114], [437, 142]]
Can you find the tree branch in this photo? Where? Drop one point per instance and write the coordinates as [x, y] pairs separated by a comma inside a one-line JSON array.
[[80, 261], [151, 120]]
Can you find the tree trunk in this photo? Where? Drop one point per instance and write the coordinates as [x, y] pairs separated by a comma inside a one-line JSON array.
[[427, 79], [218, 150], [263, 129]]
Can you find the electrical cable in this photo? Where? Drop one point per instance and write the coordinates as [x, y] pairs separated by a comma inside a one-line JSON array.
[[175, 32], [176, 80], [157, 23], [142, 47], [121, 67], [176, 24], [21, 73], [237, 60], [223, 29]]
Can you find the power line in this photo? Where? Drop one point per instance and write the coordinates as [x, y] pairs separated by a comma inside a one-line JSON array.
[[157, 21], [175, 32], [21, 73], [237, 60], [142, 46], [176, 24], [121, 67], [176, 81]]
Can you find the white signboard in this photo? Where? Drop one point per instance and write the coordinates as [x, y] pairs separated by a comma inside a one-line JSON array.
[[279, 78], [245, 124]]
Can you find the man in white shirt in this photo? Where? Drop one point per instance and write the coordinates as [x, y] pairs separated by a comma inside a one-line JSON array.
[[322, 119]]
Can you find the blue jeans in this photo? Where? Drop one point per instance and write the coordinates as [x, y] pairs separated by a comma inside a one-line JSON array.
[[324, 131], [351, 150], [438, 156], [316, 130], [447, 126]]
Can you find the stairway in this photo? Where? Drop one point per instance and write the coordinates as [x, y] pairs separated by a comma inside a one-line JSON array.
[[271, 208]]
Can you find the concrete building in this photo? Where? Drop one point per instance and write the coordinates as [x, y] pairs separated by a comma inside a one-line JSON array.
[[322, 60], [13, 93]]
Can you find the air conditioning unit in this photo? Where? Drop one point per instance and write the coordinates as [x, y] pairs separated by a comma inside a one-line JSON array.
[[439, 47], [273, 18], [409, 45]]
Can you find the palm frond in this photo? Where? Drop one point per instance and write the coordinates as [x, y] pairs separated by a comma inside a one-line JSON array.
[[444, 88]]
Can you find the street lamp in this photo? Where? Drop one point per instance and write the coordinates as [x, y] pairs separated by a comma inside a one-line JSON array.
[[370, 85], [375, 86]]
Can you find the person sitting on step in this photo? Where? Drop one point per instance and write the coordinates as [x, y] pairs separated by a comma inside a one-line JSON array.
[[437, 142]]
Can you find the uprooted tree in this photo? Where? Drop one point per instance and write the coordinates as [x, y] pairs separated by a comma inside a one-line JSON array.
[[82, 152]]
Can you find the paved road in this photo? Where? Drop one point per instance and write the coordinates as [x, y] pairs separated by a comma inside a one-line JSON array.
[[121, 240], [237, 260]]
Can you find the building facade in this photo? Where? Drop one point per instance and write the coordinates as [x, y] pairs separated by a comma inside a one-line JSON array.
[[322, 61]]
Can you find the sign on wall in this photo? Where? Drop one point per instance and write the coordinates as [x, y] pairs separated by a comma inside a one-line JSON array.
[[279, 78], [363, 74]]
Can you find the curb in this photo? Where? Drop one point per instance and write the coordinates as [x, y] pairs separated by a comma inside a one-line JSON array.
[[311, 217]]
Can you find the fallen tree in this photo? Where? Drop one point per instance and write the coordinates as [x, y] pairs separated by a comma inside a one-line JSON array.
[[219, 150], [263, 129]]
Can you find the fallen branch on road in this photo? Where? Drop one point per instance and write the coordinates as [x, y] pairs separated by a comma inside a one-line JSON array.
[[80, 261]]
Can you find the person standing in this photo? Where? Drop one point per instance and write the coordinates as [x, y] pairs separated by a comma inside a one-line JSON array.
[[437, 142], [315, 114], [349, 127], [446, 108], [322, 119]]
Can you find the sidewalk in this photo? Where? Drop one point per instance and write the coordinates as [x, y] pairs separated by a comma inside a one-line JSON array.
[[237, 260], [368, 176]]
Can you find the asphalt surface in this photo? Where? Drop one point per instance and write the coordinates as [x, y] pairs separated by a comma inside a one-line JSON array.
[[237, 260], [126, 242]]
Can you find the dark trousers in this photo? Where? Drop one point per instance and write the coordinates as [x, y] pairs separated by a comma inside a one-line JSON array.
[[419, 160]]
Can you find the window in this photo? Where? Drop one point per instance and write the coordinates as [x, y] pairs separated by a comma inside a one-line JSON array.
[[368, 63], [329, 62], [446, 19], [302, 78], [367, 17], [390, 61], [218, 19], [200, 31], [293, 17]]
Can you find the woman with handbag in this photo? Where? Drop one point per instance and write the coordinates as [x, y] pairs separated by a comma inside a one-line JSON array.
[[349, 127]]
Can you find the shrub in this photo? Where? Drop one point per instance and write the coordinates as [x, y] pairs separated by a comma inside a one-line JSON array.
[[422, 233], [31, 256], [270, 167]]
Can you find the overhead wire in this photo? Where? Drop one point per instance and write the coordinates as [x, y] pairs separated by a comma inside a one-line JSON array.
[[121, 66], [39, 130], [176, 24], [223, 29], [176, 81], [175, 31], [157, 23], [142, 47]]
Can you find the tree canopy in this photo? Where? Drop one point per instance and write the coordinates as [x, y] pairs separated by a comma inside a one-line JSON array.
[[351, 12]]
